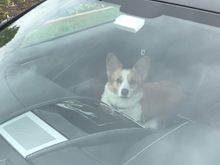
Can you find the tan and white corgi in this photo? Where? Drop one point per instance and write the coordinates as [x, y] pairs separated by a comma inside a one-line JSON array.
[[127, 91]]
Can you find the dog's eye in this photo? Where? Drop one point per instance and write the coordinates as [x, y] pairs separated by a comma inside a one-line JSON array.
[[119, 81], [132, 82]]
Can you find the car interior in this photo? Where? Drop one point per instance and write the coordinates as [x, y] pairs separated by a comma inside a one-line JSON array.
[[182, 53]]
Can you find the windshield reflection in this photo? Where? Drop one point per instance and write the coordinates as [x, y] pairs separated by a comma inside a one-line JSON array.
[[7, 35]]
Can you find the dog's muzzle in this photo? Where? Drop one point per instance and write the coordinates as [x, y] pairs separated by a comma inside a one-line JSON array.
[[124, 92]]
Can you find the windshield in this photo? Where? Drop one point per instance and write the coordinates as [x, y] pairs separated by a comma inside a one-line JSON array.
[[76, 46], [73, 65]]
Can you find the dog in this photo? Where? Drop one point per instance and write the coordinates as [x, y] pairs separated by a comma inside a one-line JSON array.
[[127, 91]]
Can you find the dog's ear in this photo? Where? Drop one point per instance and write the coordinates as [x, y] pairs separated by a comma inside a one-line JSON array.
[[112, 64], [142, 67]]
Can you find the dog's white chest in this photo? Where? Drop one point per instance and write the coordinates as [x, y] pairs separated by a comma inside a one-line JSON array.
[[129, 106], [133, 112]]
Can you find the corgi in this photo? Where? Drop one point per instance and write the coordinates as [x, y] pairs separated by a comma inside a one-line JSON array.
[[126, 91]]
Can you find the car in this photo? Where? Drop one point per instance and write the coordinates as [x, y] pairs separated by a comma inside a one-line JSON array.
[[53, 73]]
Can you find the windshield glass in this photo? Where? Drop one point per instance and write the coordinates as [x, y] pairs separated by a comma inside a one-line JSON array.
[[170, 67]]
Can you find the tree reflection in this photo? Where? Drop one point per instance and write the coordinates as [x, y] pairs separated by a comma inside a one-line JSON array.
[[7, 35]]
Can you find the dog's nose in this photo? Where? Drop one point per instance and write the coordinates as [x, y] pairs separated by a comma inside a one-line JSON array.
[[124, 92]]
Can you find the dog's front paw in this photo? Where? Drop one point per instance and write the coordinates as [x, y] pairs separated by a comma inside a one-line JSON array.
[[151, 124]]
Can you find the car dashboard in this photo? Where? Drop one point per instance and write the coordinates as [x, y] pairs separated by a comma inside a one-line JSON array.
[[63, 128]]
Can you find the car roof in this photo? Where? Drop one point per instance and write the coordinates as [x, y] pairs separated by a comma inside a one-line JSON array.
[[207, 5], [202, 11]]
